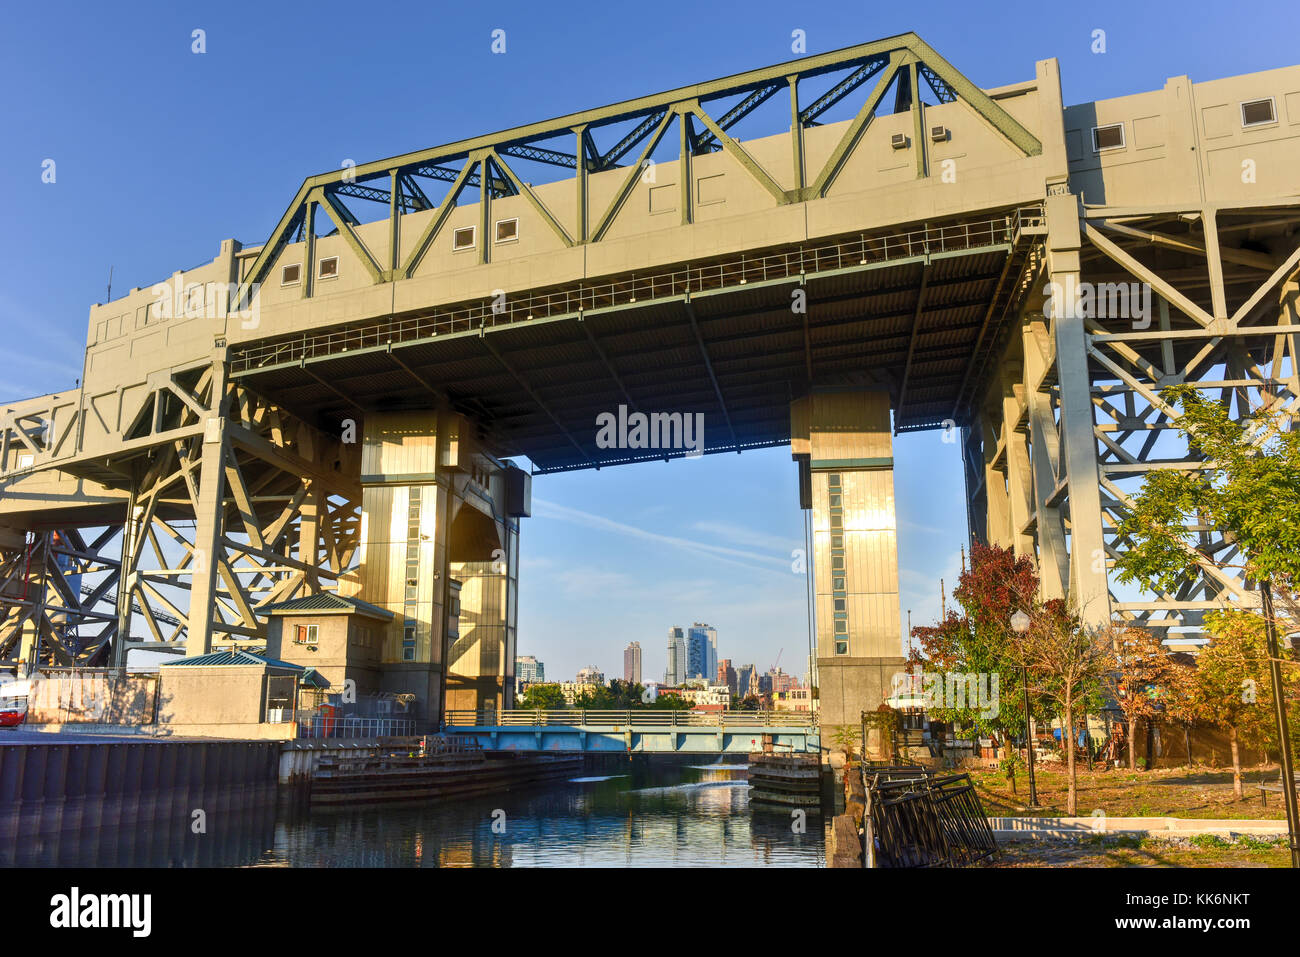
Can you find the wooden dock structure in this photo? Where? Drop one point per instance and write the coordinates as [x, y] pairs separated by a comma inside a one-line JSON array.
[[785, 780]]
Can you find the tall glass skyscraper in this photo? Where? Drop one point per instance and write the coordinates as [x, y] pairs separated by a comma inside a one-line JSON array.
[[702, 651], [676, 672]]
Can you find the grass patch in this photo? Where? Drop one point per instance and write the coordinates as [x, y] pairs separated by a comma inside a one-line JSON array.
[[1201, 793]]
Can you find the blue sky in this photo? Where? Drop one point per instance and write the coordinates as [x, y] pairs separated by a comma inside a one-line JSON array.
[[162, 153]]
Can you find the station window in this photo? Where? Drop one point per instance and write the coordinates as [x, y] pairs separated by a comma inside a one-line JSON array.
[[1108, 137], [328, 268], [507, 230], [463, 238], [1258, 112], [291, 275]]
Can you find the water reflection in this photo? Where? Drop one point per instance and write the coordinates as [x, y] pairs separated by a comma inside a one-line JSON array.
[[688, 816], [638, 816]]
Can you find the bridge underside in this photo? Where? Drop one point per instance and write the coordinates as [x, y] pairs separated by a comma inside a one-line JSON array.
[[913, 312]]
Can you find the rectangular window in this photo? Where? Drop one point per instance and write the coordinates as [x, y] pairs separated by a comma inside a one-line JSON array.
[[835, 501], [837, 541], [507, 230], [837, 584], [463, 238], [1108, 137], [841, 647], [837, 521], [841, 627], [1258, 112], [291, 275], [306, 634], [834, 481], [328, 268]]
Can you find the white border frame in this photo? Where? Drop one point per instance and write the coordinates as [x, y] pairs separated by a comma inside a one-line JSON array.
[[1123, 137], [473, 231], [496, 231], [1272, 105]]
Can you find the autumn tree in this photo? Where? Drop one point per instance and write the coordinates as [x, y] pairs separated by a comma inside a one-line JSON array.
[[1067, 663], [976, 639], [1232, 682], [1182, 704], [1144, 678]]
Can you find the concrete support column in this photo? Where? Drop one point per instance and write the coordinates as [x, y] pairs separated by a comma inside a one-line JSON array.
[[1053, 559], [1020, 482], [844, 438], [403, 549], [1087, 584]]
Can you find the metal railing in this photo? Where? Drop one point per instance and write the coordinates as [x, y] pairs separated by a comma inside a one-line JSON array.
[[647, 718], [783, 264], [352, 726]]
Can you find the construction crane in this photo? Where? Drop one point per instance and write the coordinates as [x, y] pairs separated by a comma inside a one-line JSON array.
[[778, 660]]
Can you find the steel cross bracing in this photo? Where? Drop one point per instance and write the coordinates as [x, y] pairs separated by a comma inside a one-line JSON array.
[[230, 505], [469, 163], [1074, 420]]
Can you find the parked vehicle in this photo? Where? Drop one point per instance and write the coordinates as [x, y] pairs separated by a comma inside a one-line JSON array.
[[13, 712]]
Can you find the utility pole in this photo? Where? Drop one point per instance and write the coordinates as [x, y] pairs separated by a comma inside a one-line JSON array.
[[1279, 706]]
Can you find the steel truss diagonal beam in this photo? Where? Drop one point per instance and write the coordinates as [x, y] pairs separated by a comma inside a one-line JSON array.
[[648, 116], [1233, 338], [220, 520]]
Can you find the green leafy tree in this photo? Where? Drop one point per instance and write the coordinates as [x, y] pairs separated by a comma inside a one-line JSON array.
[[1232, 682], [542, 697], [595, 698], [670, 702], [1248, 487]]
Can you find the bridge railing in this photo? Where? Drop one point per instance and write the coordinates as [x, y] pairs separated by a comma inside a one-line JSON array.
[[780, 264], [637, 719]]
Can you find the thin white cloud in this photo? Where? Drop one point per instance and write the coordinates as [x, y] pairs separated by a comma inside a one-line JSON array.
[[772, 564]]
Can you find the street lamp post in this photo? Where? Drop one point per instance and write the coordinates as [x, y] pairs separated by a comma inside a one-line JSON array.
[[1020, 624]]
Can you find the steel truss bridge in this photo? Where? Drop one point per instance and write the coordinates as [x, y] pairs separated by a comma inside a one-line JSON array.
[[199, 473]]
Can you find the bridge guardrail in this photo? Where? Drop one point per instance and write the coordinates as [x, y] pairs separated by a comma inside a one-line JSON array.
[[352, 726], [636, 719], [787, 263]]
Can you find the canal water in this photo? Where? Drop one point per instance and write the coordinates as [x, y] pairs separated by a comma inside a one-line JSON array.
[[643, 815]]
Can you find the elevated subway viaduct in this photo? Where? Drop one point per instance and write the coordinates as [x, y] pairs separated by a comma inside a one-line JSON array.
[[337, 408]]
